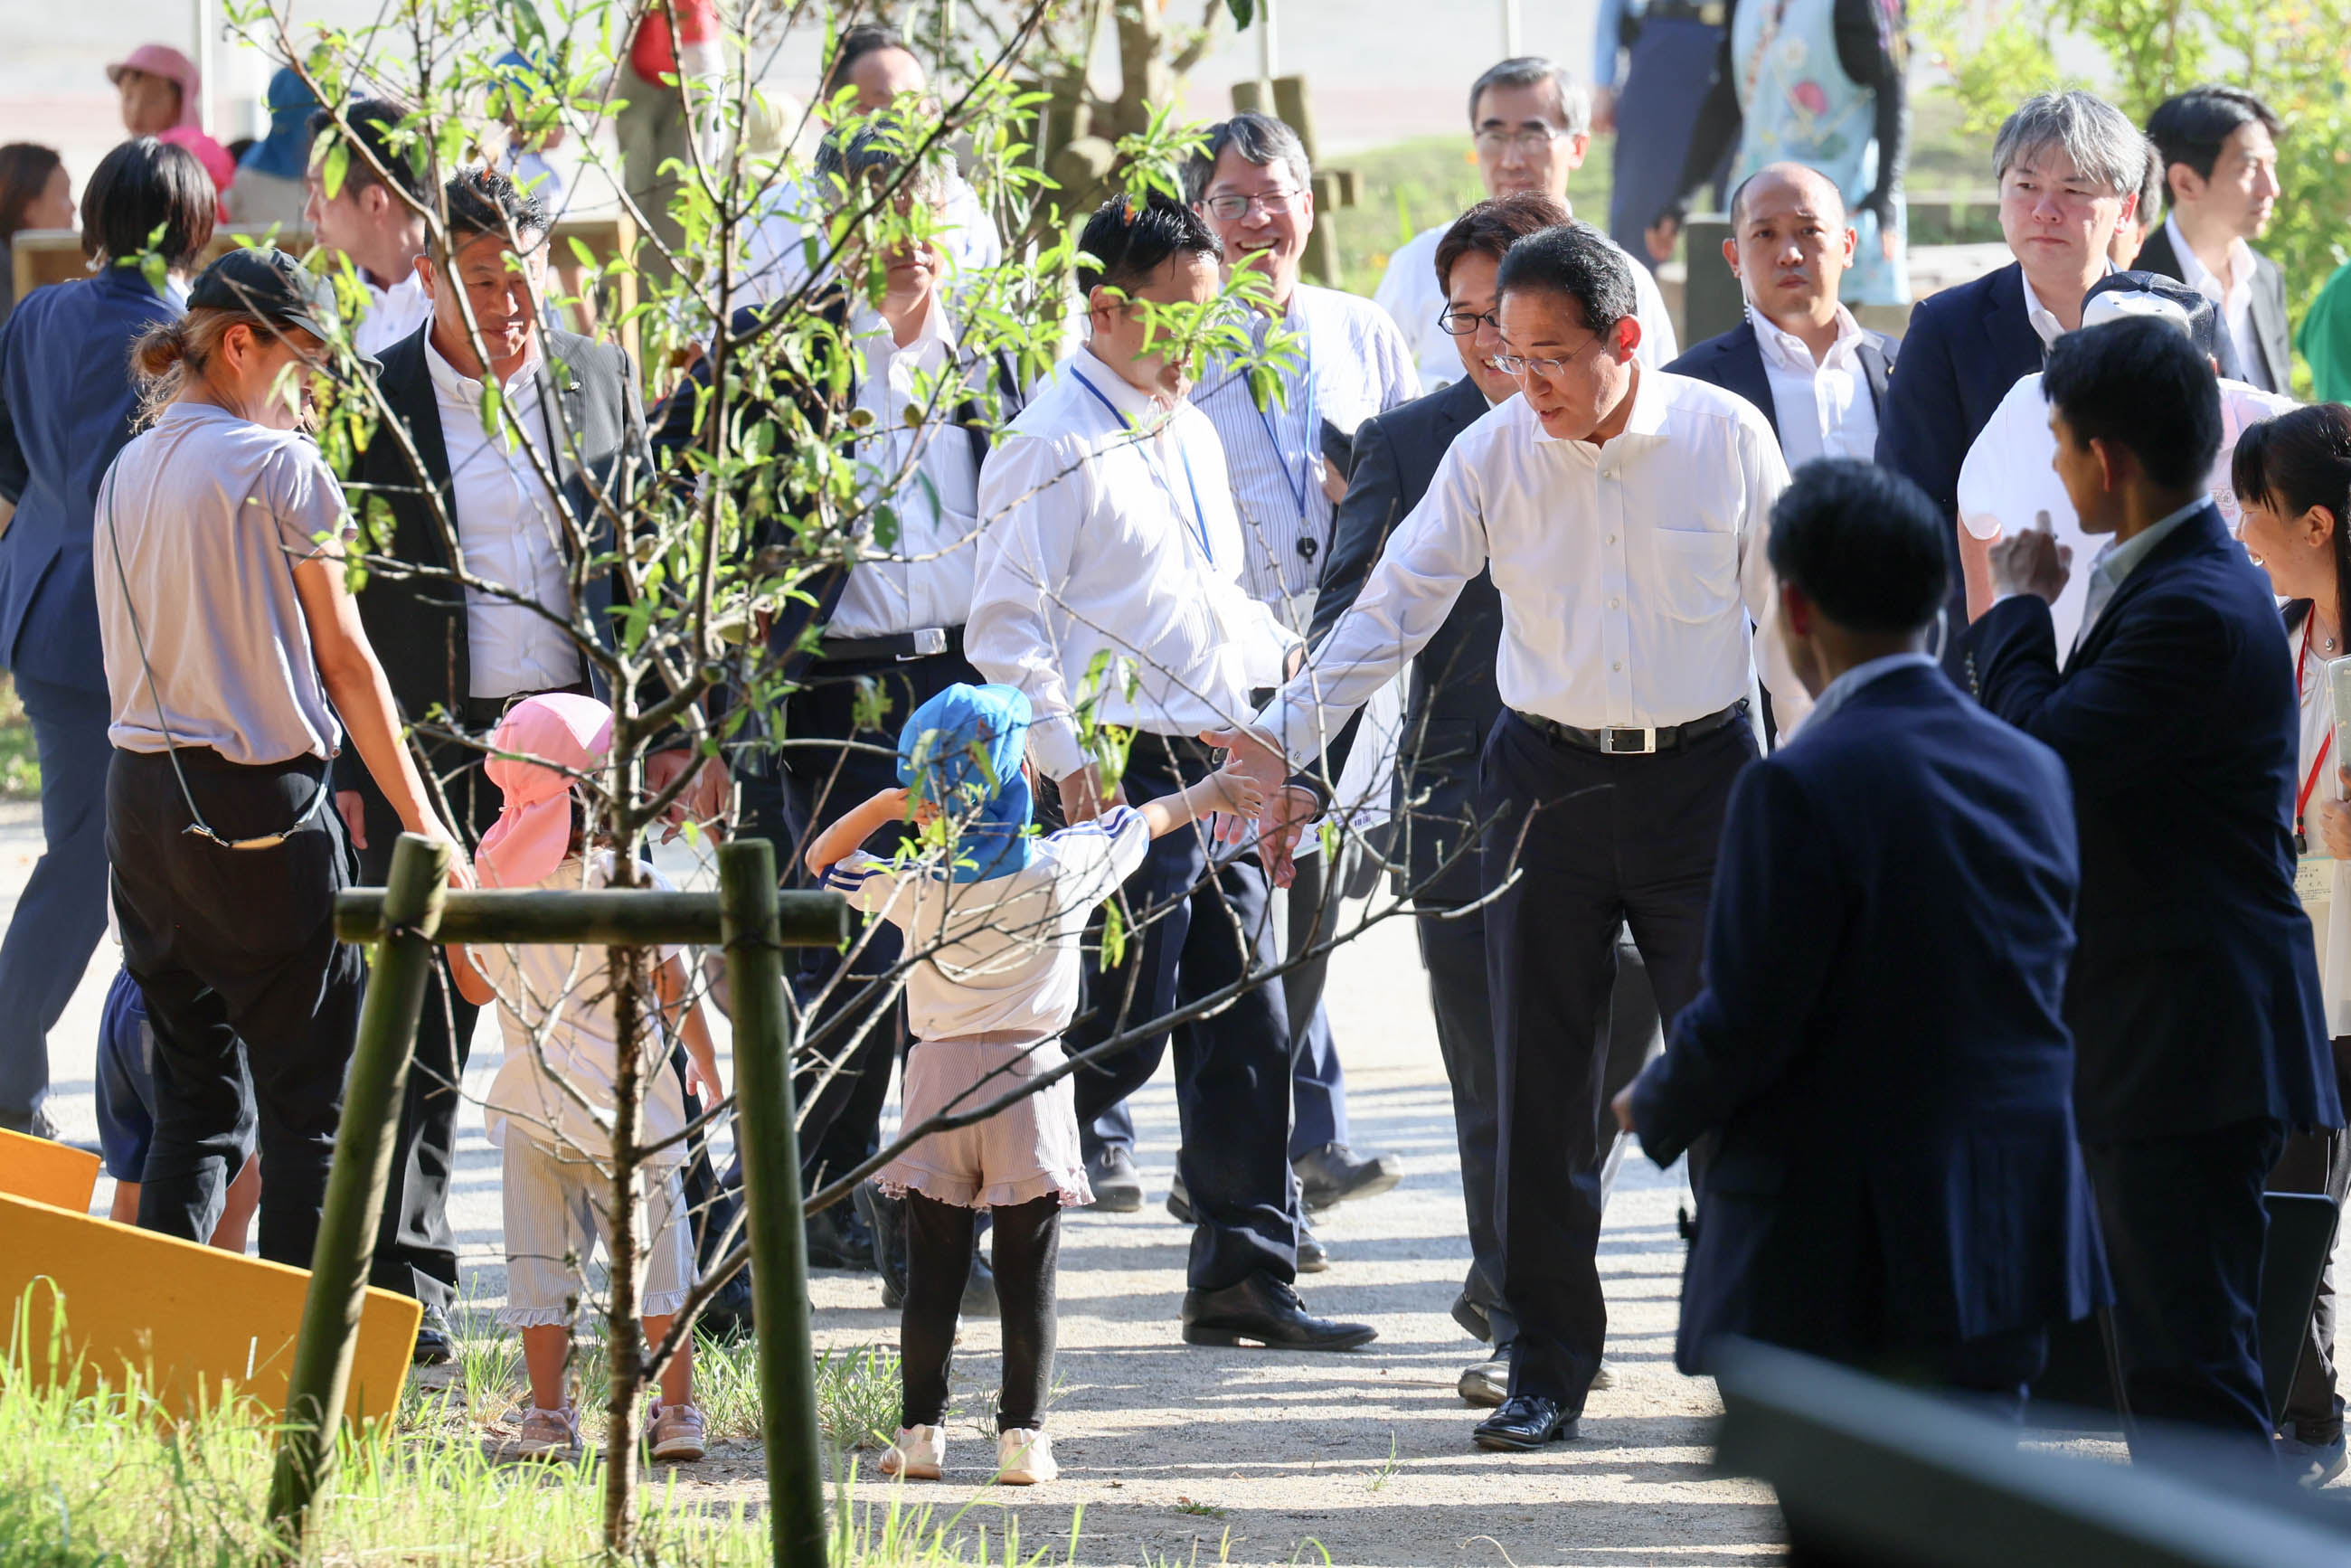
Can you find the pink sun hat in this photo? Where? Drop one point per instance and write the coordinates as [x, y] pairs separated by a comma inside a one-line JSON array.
[[559, 736]]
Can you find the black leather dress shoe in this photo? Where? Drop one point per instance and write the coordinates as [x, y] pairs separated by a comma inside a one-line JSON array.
[[838, 1238], [1262, 1309], [1332, 1175], [1179, 1202], [886, 1218], [436, 1341], [1314, 1257], [1118, 1186], [1472, 1318], [1525, 1421]]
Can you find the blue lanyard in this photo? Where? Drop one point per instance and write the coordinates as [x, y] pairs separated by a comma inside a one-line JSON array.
[[1310, 434], [1199, 514]]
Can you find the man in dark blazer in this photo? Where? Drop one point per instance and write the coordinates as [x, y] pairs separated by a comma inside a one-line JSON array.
[[2194, 1001], [1966, 346], [1452, 708], [1918, 1211], [2219, 149], [1817, 374], [577, 405]]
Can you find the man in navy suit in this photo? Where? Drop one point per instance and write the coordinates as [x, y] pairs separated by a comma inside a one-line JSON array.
[[1800, 357], [2194, 998], [1966, 346], [1880, 1044]]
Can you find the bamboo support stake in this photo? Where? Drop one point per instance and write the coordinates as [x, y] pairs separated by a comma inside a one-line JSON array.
[[607, 917], [768, 1145], [373, 1094]]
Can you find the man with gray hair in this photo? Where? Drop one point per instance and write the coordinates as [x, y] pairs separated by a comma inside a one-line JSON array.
[[1531, 124], [2069, 166]]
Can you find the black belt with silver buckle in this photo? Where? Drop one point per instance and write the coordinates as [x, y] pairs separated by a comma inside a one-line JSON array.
[[1618, 742], [899, 646]]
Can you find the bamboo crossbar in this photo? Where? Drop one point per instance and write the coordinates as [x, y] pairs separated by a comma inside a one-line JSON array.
[[603, 917]]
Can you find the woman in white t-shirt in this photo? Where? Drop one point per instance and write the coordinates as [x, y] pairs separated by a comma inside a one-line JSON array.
[[2293, 479], [235, 664]]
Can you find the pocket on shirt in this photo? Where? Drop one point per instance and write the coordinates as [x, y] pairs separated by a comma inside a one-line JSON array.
[[1698, 572]]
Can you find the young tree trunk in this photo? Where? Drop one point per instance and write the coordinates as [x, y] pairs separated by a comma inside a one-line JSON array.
[[626, 969]]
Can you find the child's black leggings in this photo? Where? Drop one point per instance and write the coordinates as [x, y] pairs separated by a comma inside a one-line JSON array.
[[939, 1239]]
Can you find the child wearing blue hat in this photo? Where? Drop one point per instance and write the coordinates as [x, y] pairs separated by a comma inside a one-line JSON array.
[[993, 914]]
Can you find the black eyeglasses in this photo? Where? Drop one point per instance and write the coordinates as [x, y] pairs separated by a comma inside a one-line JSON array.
[[1463, 323]]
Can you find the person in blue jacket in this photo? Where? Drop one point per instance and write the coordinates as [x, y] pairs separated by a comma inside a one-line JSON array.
[[1881, 1048], [66, 406]]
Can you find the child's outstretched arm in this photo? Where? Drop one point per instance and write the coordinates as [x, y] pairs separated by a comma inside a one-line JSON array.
[[1227, 789], [472, 984], [684, 1013], [839, 842]]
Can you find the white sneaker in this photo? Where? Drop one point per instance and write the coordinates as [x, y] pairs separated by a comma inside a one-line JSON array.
[[918, 1453], [1024, 1457]]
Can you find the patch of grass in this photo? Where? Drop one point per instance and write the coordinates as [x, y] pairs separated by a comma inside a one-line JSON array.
[[1193, 1505], [1386, 1472], [110, 1479], [20, 763]]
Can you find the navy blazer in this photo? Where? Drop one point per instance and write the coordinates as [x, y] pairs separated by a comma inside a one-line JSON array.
[[1880, 1041], [2273, 339], [2194, 998], [67, 402], [1453, 701], [1734, 361]]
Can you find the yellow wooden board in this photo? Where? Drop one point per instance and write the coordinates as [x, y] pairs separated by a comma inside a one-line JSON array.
[[48, 1171], [184, 1319]]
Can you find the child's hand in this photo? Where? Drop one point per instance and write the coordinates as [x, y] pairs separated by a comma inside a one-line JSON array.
[[703, 1085], [1237, 792]]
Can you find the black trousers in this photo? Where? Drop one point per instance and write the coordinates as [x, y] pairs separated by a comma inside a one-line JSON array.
[[252, 999], [415, 1250], [2184, 1229], [1609, 842], [940, 1237], [2317, 1162], [1453, 950], [833, 759], [1192, 929]]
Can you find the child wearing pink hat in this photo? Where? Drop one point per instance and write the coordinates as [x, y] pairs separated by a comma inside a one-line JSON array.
[[550, 1107]]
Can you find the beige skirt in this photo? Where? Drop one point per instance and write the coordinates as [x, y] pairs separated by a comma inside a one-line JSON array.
[[1022, 1153]]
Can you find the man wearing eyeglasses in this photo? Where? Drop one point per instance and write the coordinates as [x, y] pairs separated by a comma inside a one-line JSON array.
[[1287, 460], [1531, 125], [1623, 515]]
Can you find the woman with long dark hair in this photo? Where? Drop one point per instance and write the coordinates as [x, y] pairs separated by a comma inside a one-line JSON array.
[[66, 403], [235, 668], [2293, 479]]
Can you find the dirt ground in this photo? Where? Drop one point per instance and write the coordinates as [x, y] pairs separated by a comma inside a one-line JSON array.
[[1192, 1454]]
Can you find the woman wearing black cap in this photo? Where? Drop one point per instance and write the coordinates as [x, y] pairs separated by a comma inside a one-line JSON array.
[[231, 649]]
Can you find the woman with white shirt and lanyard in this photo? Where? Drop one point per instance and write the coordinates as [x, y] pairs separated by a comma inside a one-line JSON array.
[[2293, 479], [232, 647]]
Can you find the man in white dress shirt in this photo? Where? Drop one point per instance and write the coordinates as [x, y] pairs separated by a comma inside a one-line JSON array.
[[1109, 590], [366, 220], [1254, 186], [2009, 483], [1813, 371], [1624, 514], [2218, 147], [1531, 125]]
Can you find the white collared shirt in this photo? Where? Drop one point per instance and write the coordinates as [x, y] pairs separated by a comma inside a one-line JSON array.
[[1360, 366], [2045, 325], [2006, 483], [1631, 574], [1823, 408], [2234, 300], [392, 314], [1110, 531], [1409, 294], [775, 263], [924, 578], [2117, 558], [1847, 687], [510, 532]]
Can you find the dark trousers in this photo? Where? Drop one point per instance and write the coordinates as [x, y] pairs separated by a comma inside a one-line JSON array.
[[1318, 1084], [253, 1001], [2184, 1229], [416, 1249], [826, 762], [1191, 930], [940, 1239], [1609, 842], [2317, 1162], [62, 913]]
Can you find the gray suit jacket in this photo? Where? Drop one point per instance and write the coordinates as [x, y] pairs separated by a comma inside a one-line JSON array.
[[2273, 341], [1454, 701]]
